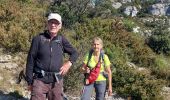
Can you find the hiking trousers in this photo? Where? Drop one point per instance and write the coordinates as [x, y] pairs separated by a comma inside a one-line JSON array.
[[42, 91], [100, 89]]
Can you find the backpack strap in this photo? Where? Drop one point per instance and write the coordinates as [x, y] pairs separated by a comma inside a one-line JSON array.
[[102, 56], [59, 41], [90, 55]]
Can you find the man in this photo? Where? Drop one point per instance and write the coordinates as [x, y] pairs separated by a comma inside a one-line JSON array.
[[45, 67]]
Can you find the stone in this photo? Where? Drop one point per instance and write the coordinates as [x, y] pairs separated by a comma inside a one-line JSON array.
[[131, 11], [116, 5]]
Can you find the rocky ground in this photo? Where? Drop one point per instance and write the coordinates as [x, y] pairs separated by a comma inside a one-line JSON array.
[[10, 67]]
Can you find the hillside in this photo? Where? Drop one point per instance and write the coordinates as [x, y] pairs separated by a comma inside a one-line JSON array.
[[136, 37]]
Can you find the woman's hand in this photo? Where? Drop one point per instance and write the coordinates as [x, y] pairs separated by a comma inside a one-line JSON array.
[[85, 69], [109, 91]]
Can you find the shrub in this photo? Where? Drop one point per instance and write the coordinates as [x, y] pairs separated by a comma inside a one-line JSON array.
[[20, 21], [139, 85], [160, 43], [159, 40], [129, 24], [122, 46], [162, 68]]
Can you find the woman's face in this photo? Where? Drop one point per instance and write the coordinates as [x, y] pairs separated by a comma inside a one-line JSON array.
[[97, 46]]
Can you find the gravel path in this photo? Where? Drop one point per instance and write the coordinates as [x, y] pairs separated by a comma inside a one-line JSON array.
[[11, 97]]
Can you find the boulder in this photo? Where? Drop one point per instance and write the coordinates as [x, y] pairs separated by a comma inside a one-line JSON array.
[[116, 5], [159, 9], [131, 11], [126, 1]]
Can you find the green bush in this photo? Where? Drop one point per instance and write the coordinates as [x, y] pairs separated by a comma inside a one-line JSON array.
[[17, 27], [129, 24], [16, 40], [121, 47], [159, 40], [139, 85], [20, 21], [160, 43], [162, 68]]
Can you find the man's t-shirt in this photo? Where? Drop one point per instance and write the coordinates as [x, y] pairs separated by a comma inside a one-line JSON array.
[[92, 63]]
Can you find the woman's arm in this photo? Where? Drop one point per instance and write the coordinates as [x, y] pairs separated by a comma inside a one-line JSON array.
[[108, 70]]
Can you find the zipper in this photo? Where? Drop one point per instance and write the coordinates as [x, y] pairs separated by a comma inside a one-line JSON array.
[[51, 50]]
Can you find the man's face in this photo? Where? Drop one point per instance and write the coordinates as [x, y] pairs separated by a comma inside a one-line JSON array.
[[53, 26]]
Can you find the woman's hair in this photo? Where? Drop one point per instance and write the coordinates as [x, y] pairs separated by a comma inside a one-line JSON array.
[[98, 39]]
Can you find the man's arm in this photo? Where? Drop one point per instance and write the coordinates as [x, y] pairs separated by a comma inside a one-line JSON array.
[[31, 60], [68, 48]]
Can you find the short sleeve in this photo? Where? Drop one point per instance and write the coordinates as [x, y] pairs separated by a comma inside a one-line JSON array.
[[106, 60], [86, 58]]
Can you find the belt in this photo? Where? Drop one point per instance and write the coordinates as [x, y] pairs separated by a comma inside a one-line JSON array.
[[57, 76], [43, 73]]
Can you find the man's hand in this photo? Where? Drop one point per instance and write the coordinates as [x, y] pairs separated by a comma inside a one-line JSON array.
[[64, 69], [29, 87]]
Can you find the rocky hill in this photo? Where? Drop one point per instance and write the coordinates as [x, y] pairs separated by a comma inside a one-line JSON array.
[[136, 35], [12, 65]]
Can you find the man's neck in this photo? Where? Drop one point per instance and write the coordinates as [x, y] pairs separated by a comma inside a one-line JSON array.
[[53, 35]]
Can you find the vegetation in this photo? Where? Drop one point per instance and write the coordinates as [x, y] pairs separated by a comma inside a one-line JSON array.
[[82, 20], [160, 39], [19, 22]]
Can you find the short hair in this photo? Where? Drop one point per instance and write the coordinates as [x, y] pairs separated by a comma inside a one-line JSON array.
[[98, 39]]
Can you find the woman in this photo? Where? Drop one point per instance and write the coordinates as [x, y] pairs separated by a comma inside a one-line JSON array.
[[100, 82]]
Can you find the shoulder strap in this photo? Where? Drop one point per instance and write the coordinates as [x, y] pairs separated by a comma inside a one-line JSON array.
[[90, 55], [59, 41], [102, 55]]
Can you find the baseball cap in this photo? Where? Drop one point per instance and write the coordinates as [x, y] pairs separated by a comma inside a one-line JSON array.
[[55, 16]]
